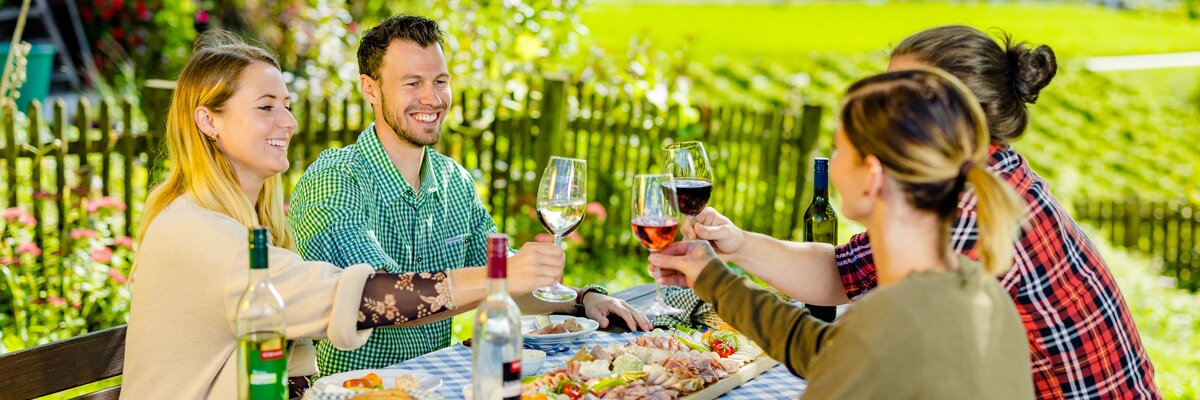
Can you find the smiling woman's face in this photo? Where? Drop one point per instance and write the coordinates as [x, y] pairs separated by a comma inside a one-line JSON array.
[[255, 125]]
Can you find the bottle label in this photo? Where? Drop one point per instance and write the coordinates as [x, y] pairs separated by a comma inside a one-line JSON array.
[[268, 355], [266, 370], [510, 386]]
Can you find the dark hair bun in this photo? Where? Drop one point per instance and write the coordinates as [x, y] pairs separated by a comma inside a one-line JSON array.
[[1030, 69]]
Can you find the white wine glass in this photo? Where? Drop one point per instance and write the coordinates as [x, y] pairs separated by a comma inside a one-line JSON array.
[[561, 200]]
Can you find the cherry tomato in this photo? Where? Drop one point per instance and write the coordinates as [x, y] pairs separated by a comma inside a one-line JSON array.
[[721, 348], [572, 391]]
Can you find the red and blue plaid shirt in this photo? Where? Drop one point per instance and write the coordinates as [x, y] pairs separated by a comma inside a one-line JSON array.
[[1082, 340]]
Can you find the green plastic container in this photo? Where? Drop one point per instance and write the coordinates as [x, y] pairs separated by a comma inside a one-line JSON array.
[[38, 70]]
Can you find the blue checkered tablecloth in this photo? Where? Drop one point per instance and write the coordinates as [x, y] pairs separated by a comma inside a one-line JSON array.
[[453, 365]]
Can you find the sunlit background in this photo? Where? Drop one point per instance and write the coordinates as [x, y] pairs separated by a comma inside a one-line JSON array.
[[1114, 135]]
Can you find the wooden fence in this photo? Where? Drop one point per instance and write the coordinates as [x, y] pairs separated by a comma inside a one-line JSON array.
[[760, 159], [50, 164], [1166, 230]]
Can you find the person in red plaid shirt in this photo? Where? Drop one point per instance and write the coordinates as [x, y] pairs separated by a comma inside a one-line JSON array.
[[1082, 339]]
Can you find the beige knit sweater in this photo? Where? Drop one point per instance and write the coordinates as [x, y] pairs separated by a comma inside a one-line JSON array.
[[193, 265]]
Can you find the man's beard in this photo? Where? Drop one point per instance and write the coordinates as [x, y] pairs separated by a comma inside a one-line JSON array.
[[396, 122]]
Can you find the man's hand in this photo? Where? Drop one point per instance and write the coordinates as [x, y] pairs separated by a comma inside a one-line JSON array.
[[680, 263], [710, 225], [535, 265], [600, 307]]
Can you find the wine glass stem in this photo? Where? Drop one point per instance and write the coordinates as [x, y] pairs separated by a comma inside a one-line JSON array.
[[558, 243], [658, 297]]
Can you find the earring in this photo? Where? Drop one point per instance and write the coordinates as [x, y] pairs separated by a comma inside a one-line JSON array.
[[212, 137]]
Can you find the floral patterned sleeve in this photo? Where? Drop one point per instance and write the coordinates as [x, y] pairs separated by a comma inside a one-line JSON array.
[[391, 299]]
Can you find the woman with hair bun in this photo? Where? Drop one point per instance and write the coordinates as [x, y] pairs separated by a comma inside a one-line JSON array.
[[939, 326], [1082, 338]]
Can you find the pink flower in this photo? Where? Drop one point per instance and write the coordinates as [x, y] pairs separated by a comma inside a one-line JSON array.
[[57, 301], [29, 248], [598, 210], [8, 261], [544, 238], [124, 241], [117, 276], [575, 237], [12, 214], [79, 233], [27, 220], [76, 306], [105, 202], [102, 254]]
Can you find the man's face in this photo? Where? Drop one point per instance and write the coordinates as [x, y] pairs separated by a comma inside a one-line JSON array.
[[414, 92]]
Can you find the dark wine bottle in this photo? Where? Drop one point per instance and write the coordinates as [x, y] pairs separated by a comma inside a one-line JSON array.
[[820, 224]]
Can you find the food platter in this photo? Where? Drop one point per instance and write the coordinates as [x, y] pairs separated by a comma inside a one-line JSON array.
[[664, 365]]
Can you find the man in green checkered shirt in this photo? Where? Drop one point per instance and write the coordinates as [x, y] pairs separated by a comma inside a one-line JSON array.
[[391, 201]]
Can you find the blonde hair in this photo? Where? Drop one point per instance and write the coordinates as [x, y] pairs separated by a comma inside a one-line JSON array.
[[198, 168], [931, 135]]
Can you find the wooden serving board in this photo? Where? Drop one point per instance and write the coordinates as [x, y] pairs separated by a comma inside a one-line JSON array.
[[748, 372]]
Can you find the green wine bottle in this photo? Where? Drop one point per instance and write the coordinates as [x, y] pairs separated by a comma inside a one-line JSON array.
[[260, 324], [820, 224]]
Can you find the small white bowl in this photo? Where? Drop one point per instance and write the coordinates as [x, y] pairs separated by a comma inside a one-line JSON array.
[[531, 361]]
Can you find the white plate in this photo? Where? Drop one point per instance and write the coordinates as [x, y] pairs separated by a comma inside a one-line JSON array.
[[429, 382], [529, 325]]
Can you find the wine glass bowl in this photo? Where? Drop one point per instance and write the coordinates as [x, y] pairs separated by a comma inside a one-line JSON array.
[[687, 163], [654, 232]]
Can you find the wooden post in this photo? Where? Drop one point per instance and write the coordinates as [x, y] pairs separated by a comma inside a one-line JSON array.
[[1194, 264], [771, 150], [1132, 223], [64, 192], [1113, 221], [105, 146], [810, 129], [1178, 256], [10, 143], [60, 174], [128, 154], [83, 124], [1155, 224], [552, 123], [155, 103], [348, 135], [311, 147], [35, 140]]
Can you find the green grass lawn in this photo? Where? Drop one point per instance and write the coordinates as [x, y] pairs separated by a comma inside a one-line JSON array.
[[781, 32], [787, 34]]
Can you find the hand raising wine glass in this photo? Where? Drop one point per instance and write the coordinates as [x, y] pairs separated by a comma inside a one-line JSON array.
[[688, 164], [561, 199], [655, 220]]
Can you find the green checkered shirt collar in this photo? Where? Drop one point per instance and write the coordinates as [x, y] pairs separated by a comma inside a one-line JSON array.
[[371, 148]]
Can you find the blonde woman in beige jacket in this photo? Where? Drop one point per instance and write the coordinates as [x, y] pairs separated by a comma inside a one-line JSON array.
[[228, 130]]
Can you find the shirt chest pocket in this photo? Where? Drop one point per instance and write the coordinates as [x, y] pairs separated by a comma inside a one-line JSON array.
[[451, 252]]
